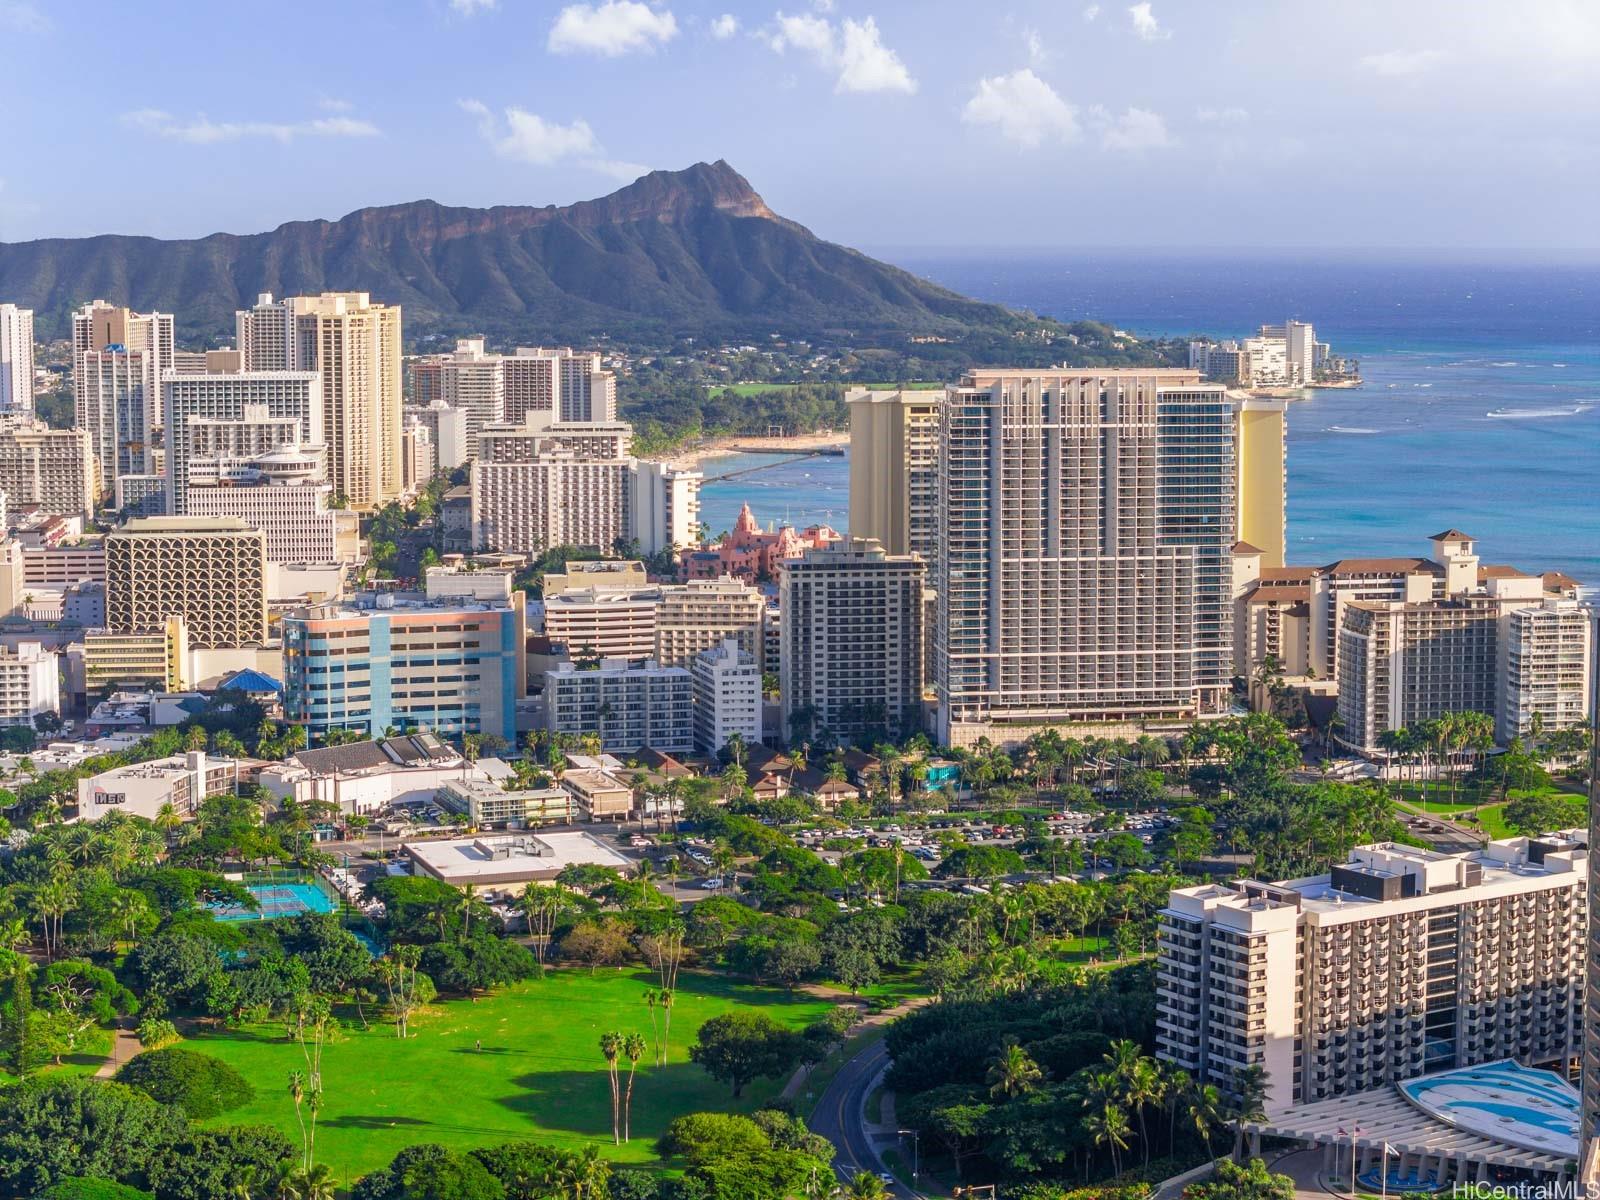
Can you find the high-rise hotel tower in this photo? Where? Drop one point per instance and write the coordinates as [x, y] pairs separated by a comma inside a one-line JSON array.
[[1085, 525]]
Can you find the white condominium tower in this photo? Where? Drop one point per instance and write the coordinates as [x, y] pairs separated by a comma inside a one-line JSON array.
[[1083, 570], [239, 415], [118, 357], [354, 345], [474, 383], [16, 359]]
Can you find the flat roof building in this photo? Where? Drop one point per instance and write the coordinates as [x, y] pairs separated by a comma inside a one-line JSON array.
[[212, 571], [508, 861]]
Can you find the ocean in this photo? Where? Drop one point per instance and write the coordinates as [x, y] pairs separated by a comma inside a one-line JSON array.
[[1480, 407]]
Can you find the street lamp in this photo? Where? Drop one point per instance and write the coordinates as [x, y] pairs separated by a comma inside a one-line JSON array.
[[916, 1150]]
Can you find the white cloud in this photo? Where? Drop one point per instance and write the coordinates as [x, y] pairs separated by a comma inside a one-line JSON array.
[[724, 27], [1037, 53], [468, 8], [853, 48], [611, 29], [522, 136], [1145, 25], [1221, 116], [23, 16], [1137, 129], [202, 130], [1400, 64], [1024, 108], [1091, 12]]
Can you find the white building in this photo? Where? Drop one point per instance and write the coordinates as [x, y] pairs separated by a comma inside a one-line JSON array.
[[701, 614], [486, 804], [118, 360], [223, 416], [567, 385], [55, 469], [1399, 962], [1544, 668], [727, 697], [141, 789], [282, 493], [363, 777], [16, 359], [1264, 362], [539, 485], [604, 622], [30, 683], [632, 706], [666, 507], [447, 430], [417, 461], [474, 383]]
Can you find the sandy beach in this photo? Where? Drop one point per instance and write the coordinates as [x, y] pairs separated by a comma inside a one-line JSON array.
[[696, 453]]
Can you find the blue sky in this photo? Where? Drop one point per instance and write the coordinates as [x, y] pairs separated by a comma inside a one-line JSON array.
[[1192, 123]]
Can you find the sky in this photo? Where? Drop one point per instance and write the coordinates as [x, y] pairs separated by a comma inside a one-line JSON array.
[[1301, 124]]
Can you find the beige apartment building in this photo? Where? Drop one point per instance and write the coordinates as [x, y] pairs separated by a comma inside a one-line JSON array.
[[151, 659], [604, 622], [539, 484], [702, 614], [209, 570], [1084, 568], [353, 344], [1399, 962], [852, 630], [55, 469], [894, 468]]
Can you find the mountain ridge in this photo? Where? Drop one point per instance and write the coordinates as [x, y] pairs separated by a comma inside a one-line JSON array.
[[695, 252]]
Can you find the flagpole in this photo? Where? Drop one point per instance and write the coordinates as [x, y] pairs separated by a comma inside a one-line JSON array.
[[1385, 1177], [1355, 1131]]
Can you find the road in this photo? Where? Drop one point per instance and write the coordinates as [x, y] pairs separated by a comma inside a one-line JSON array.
[[840, 1117]]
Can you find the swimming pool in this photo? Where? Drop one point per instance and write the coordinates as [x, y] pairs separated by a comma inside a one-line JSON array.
[[1521, 1106], [276, 900]]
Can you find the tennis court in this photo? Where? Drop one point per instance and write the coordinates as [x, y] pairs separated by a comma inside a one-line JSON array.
[[276, 900]]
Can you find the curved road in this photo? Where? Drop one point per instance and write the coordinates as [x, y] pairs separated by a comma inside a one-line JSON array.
[[840, 1116]]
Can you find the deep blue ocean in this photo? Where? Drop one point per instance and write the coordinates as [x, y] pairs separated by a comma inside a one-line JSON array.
[[1480, 410]]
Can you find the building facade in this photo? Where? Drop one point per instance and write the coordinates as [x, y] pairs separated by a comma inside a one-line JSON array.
[[894, 468], [666, 507], [30, 683], [702, 614], [211, 571], [1545, 668], [727, 697], [450, 666], [55, 469], [1399, 962], [852, 634], [353, 345], [1086, 522], [234, 416], [604, 622], [631, 706], [16, 359]]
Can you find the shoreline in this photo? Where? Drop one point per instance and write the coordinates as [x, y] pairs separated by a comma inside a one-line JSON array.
[[698, 453]]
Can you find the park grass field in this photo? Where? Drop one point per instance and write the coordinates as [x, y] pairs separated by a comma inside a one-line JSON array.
[[539, 1076], [93, 1048]]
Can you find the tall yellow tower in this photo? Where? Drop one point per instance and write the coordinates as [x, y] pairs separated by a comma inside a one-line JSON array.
[[1262, 457]]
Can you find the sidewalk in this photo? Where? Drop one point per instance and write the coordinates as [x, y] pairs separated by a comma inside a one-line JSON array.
[[124, 1045]]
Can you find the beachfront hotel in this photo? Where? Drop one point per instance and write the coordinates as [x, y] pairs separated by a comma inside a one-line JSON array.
[[1086, 525], [894, 468], [1397, 965]]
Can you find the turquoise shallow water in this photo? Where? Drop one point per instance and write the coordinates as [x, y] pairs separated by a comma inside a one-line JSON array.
[[1481, 407]]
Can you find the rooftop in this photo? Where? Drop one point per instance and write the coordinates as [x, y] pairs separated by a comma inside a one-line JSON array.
[[512, 858], [185, 525]]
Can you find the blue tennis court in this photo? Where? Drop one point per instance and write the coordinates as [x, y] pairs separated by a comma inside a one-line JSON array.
[[276, 900]]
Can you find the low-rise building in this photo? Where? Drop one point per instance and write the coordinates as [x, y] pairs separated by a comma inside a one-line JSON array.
[[598, 795], [363, 777], [509, 861], [141, 789], [487, 805]]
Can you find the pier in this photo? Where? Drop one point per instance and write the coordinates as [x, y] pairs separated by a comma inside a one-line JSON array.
[[798, 456]]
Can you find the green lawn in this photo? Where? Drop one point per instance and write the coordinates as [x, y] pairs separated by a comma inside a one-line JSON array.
[[1082, 949], [1492, 820], [539, 1075], [94, 1046]]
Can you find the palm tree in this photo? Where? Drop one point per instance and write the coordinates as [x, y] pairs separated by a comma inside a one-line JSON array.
[[127, 909], [1108, 1126], [167, 819], [1248, 1103], [1205, 1109], [864, 1185], [1012, 1072], [611, 1047], [633, 1047], [1175, 1085]]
